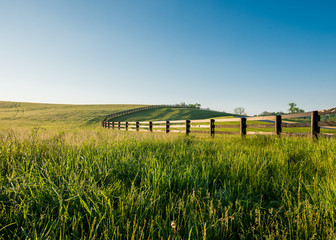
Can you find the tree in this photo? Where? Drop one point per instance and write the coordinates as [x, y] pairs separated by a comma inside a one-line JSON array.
[[190, 105], [182, 104], [265, 113], [239, 111], [293, 109]]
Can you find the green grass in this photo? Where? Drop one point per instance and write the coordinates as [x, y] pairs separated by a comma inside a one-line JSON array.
[[64, 177], [171, 114], [328, 117], [16, 114], [104, 184]]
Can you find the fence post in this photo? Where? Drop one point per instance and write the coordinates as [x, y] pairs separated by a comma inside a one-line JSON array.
[[315, 129], [212, 127], [126, 126], [151, 126], [118, 125], [108, 125], [278, 122], [167, 126], [243, 127], [113, 125], [187, 127], [137, 126]]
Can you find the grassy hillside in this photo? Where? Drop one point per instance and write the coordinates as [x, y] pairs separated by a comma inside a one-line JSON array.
[[171, 114], [14, 114], [47, 115]]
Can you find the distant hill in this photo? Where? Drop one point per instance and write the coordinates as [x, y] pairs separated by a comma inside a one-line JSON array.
[[55, 115], [171, 114], [14, 114]]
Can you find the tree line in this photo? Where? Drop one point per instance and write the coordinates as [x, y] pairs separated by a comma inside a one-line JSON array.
[[190, 105], [292, 109]]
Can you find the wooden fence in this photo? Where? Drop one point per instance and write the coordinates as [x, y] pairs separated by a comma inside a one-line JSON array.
[[134, 110], [269, 125]]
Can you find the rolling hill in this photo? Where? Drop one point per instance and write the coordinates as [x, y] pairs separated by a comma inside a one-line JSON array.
[[55, 115], [171, 114], [22, 114]]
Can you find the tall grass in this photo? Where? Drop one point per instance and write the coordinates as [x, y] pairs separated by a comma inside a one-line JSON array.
[[99, 184]]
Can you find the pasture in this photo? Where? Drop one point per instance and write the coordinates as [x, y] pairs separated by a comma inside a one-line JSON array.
[[86, 182], [20, 114]]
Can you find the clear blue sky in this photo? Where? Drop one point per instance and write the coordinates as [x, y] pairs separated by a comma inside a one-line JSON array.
[[260, 55]]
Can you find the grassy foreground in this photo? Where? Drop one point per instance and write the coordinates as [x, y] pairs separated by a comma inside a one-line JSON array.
[[103, 184]]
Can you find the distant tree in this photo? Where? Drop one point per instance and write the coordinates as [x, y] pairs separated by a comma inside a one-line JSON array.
[[293, 109], [183, 104], [239, 111], [190, 105], [265, 113]]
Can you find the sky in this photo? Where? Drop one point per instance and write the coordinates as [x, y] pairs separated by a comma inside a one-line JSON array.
[[260, 55]]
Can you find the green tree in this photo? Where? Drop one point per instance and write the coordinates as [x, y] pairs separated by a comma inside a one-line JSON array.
[[266, 113], [239, 111], [294, 109]]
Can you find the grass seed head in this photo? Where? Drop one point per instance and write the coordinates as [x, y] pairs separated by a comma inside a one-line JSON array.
[[173, 224]]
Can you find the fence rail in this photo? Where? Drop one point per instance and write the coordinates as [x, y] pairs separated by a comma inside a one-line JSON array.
[[134, 110], [273, 125]]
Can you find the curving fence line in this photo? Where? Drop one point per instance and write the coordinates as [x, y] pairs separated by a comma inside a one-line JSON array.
[[304, 124], [134, 110]]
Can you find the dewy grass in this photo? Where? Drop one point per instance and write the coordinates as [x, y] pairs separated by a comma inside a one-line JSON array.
[[100, 184]]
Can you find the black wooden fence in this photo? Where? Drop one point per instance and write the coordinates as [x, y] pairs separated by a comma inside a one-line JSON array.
[[269, 125]]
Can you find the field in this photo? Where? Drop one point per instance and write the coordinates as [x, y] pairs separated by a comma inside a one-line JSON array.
[[56, 115], [19, 114], [91, 183], [171, 114]]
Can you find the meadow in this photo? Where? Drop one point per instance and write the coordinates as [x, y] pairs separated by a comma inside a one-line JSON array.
[[104, 184], [171, 114], [21, 114], [92, 183]]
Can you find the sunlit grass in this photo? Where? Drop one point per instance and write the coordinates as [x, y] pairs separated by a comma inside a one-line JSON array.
[[171, 114], [17, 114], [104, 184]]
